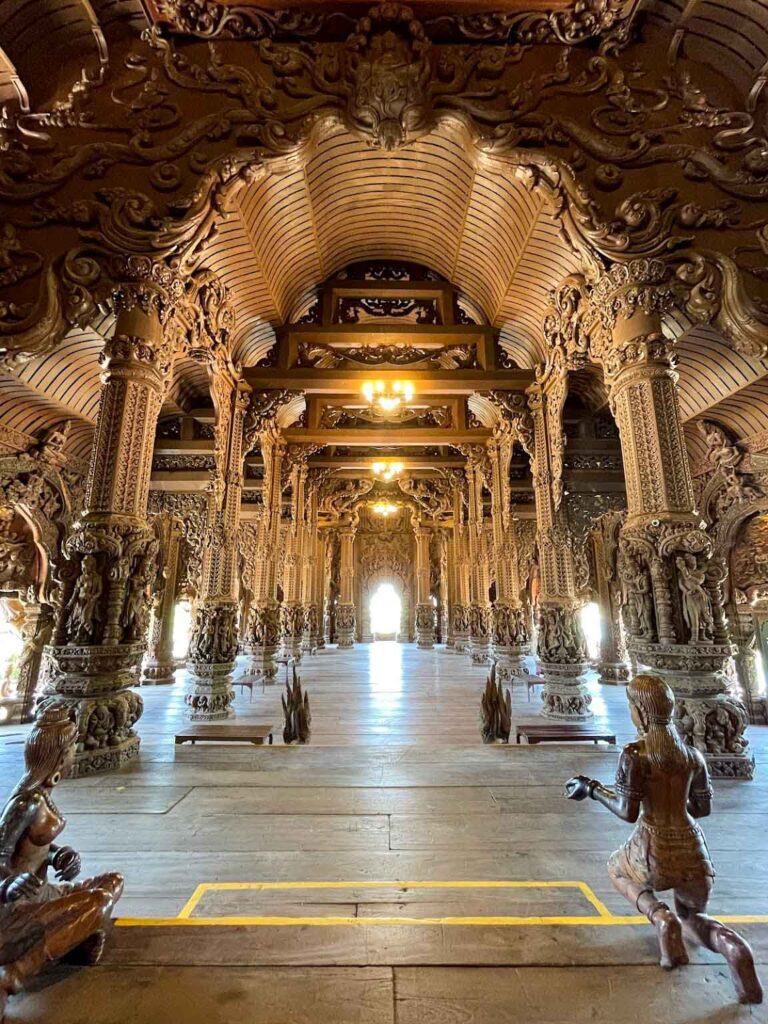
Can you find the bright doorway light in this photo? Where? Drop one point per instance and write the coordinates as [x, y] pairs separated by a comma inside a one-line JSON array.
[[11, 646], [182, 624], [590, 624], [386, 608]]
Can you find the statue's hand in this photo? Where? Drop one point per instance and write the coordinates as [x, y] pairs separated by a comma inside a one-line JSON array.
[[23, 886], [66, 863], [577, 788]]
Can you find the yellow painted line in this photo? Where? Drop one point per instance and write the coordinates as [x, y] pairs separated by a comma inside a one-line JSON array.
[[604, 917], [204, 887]]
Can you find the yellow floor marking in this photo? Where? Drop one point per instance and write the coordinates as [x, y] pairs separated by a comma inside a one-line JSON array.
[[603, 918]]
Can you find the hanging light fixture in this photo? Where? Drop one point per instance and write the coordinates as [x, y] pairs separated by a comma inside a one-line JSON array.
[[388, 398], [387, 471], [384, 508]]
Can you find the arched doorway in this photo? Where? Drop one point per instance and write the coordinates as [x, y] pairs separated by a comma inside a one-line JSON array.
[[386, 609]]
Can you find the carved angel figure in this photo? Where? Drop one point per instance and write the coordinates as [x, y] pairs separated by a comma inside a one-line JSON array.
[[662, 786], [83, 616], [42, 921], [721, 451], [697, 608]]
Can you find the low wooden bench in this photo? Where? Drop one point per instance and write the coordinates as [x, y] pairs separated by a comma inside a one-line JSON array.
[[549, 733], [248, 680], [226, 734]]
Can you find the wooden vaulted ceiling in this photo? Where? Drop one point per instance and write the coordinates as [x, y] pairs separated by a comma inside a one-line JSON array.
[[436, 203]]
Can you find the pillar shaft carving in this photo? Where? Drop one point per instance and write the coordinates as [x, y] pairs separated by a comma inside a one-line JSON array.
[[672, 584], [479, 611], [213, 643], [425, 617], [345, 610], [561, 647], [510, 638], [105, 598], [296, 542], [159, 665], [614, 657], [262, 633], [313, 572]]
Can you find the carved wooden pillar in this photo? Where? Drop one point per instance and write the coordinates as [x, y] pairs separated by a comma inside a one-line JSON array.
[[479, 577], [159, 665], [673, 586], [751, 686], [292, 609], [214, 640], [510, 637], [425, 615], [314, 569], [263, 632], [345, 610], [614, 658], [36, 632], [460, 572], [561, 648], [441, 548], [99, 637]]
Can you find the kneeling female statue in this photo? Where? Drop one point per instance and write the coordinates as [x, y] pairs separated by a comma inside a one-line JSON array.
[[662, 785], [42, 921]]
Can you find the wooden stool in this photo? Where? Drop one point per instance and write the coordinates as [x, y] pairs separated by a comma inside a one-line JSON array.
[[225, 734], [550, 733]]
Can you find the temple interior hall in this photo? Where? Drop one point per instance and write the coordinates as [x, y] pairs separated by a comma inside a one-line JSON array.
[[383, 511]]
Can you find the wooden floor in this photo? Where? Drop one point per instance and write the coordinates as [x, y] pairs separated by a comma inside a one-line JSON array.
[[366, 877]]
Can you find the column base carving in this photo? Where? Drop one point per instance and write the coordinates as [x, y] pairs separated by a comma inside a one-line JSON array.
[[460, 643], [291, 633], [758, 711], [510, 641], [212, 653], [565, 696], [261, 644], [311, 639], [95, 682], [614, 673], [479, 639], [345, 625], [510, 661], [10, 710], [425, 627], [158, 672], [210, 695], [707, 717]]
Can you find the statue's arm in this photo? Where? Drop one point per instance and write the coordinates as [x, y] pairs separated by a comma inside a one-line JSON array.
[[700, 796], [624, 805], [625, 799], [18, 815]]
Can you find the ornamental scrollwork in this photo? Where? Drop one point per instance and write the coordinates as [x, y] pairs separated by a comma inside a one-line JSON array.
[[142, 161]]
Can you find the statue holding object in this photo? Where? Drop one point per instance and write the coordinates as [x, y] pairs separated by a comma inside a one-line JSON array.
[[42, 921], [662, 786]]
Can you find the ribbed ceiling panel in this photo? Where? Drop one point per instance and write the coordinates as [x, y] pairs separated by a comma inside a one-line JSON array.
[[710, 370], [32, 413], [407, 205]]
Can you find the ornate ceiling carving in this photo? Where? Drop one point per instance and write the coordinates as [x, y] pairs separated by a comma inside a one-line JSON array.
[[504, 143]]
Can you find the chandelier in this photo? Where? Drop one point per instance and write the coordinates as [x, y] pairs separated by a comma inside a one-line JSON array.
[[384, 508], [388, 398], [387, 471]]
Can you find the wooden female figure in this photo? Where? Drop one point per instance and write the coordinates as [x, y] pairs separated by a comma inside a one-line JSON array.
[[662, 785], [42, 921]]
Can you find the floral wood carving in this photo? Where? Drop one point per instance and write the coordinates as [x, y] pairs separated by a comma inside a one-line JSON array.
[[142, 161]]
